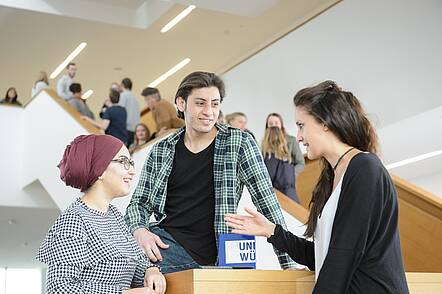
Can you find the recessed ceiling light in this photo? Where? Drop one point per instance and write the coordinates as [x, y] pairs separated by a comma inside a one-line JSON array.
[[413, 159], [68, 59], [169, 72], [87, 94], [177, 18]]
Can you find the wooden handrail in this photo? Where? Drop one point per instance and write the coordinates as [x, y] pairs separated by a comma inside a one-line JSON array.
[[69, 109], [73, 112], [151, 142], [420, 198], [420, 219], [425, 200], [291, 207], [144, 111]]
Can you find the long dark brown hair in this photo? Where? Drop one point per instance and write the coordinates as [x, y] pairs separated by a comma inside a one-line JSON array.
[[344, 116], [13, 99]]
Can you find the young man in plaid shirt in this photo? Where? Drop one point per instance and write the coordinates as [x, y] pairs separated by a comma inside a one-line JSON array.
[[191, 179]]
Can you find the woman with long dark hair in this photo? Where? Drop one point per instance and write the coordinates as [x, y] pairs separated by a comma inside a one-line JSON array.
[[354, 209], [11, 97]]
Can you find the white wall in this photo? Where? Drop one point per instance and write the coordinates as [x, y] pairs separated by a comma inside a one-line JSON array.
[[11, 150], [413, 136], [33, 141], [386, 52], [48, 128]]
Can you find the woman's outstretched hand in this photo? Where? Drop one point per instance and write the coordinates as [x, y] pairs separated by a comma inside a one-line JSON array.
[[256, 224]]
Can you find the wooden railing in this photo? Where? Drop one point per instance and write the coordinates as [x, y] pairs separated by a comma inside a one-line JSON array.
[[291, 207], [420, 219], [146, 117], [151, 142], [306, 181], [420, 225], [144, 111]]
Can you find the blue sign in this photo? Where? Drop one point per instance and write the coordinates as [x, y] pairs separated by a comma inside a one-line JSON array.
[[237, 250]]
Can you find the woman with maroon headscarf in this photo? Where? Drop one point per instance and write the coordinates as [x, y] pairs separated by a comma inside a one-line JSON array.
[[89, 249]]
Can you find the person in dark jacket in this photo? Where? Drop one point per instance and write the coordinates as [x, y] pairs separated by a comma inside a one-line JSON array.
[[354, 208], [277, 159], [275, 120], [114, 118]]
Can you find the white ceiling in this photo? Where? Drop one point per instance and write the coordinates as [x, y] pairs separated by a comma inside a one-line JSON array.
[[126, 41], [135, 13], [249, 8], [130, 4]]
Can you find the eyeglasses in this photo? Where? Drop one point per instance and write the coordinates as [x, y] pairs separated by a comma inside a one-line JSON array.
[[126, 162]]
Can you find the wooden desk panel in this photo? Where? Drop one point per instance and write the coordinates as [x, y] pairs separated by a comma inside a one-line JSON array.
[[222, 281]]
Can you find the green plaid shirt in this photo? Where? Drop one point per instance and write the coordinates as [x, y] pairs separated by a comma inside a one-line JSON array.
[[237, 162]]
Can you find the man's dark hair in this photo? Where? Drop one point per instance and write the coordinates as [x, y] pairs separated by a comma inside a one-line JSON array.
[[114, 96], [198, 80], [75, 88], [69, 64], [127, 83], [151, 91]]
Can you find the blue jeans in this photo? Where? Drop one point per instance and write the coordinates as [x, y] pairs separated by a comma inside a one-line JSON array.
[[175, 258]]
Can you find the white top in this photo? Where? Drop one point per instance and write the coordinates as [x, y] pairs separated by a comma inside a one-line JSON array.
[[324, 228], [63, 87], [40, 85]]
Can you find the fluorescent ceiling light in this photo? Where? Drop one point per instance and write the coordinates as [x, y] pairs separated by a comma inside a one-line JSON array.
[[169, 73], [87, 94], [68, 59], [413, 159], [178, 18]]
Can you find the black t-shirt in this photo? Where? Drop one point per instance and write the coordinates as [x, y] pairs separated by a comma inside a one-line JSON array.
[[190, 202], [117, 126]]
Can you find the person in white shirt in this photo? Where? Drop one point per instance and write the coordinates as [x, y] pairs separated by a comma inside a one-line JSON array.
[[41, 83], [65, 81]]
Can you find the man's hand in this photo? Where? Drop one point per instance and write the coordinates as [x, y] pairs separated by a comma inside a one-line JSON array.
[[155, 280], [150, 242]]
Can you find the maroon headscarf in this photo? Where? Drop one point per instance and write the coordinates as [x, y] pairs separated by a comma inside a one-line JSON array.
[[86, 158]]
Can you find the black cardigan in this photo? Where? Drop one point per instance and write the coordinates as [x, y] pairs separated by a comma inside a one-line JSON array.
[[364, 254]]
